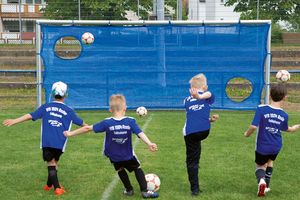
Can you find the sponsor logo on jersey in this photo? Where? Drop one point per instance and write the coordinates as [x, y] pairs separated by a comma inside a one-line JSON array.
[[120, 140], [55, 123]]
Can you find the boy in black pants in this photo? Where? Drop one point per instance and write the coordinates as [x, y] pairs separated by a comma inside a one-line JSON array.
[[197, 126], [57, 118]]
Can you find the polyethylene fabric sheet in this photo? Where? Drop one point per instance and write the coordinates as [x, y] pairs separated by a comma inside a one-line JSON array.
[[152, 65]]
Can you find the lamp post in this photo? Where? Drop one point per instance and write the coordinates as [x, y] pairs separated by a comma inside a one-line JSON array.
[[20, 22]]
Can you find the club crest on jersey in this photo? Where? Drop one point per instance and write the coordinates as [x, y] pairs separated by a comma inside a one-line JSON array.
[[55, 123]]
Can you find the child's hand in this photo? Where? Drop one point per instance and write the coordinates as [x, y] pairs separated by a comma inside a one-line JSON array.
[[153, 147], [8, 122], [214, 117], [194, 93], [67, 133], [296, 127], [246, 134]]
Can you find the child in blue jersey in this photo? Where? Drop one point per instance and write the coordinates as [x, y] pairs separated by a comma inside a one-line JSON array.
[[270, 121], [56, 118], [118, 144], [197, 126]]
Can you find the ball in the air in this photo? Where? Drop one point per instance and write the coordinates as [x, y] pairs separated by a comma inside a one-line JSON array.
[[283, 75], [141, 111], [153, 182], [87, 38]]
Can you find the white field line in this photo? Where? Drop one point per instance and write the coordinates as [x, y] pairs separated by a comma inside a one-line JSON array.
[[106, 194]]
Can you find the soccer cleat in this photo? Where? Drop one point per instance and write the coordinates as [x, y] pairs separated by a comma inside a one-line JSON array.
[[59, 191], [267, 189], [149, 194], [128, 193], [261, 188], [47, 188]]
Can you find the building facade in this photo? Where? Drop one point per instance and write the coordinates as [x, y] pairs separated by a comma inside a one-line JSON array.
[[10, 18], [211, 10]]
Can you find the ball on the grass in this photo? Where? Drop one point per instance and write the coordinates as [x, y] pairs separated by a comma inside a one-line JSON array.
[[141, 111], [153, 182], [283, 75], [87, 38]]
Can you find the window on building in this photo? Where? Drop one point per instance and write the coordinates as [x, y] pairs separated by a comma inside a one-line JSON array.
[[12, 1], [29, 26], [29, 1], [202, 1], [11, 26], [38, 1]]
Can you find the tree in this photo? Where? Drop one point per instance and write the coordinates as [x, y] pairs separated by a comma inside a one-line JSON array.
[[276, 10], [99, 9]]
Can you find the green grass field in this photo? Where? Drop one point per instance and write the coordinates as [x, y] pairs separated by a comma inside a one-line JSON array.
[[227, 161]]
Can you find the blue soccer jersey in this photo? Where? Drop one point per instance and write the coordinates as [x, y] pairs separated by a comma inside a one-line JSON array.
[[270, 122], [118, 142], [197, 114], [56, 118]]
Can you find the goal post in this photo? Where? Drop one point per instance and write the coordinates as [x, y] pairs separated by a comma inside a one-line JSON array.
[[163, 71]]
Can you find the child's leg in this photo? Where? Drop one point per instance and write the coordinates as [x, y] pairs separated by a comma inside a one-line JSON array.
[[260, 172], [125, 179], [52, 174], [140, 177], [193, 151], [51, 156], [261, 165], [269, 171]]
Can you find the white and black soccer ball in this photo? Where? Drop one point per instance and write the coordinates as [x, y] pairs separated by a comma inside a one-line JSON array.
[[283, 75], [141, 111], [87, 38], [153, 182]]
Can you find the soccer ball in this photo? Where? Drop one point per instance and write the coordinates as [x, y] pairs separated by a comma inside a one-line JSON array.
[[283, 75], [153, 182], [141, 111], [87, 38]]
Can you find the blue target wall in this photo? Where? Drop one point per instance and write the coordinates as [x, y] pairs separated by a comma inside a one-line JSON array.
[[151, 65]]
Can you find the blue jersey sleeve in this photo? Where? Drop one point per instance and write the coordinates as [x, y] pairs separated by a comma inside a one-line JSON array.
[[285, 125], [75, 119], [38, 113], [135, 128], [211, 100], [256, 118], [99, 127]]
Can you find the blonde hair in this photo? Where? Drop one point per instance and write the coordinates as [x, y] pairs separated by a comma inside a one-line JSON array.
[[198, 81], [117, 102]]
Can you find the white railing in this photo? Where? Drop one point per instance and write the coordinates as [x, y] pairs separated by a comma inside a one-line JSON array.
[[14, 38], [11, 8], [14, 8], [9, 35]]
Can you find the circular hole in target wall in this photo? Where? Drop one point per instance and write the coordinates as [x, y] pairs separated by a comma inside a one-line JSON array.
[[239, 89], [68, 48]]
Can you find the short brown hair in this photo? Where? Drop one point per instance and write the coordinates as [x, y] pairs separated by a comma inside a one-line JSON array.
[[117, 102], [278, 92]]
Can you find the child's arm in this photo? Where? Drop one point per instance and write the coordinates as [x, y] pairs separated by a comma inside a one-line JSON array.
[[11, 122], [78, 131], [194, 93], [293, 128], [145, 139], [250, 130], [214, 118]]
